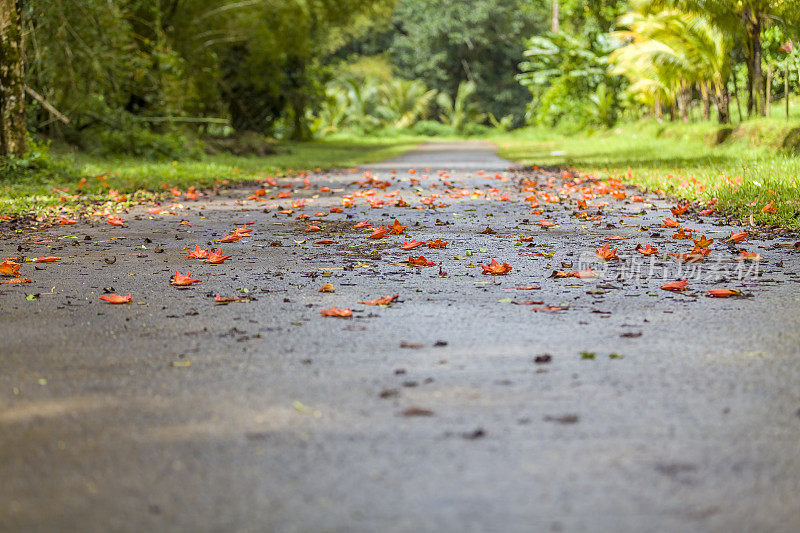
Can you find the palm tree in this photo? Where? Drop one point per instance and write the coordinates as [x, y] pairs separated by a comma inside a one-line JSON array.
[[404, 102], [743, 18], [460, 113], [668, 53]]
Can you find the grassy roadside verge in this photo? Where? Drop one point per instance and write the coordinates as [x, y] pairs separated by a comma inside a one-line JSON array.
[[45, 187], [746, 173]]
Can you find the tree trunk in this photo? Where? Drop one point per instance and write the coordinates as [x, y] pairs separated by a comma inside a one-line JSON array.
[[12, 85], [555, 17], [768, 91], [706, 104], [753, 24], [723, 100]]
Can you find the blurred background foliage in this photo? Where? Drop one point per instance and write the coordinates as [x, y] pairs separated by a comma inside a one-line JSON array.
[[168, 79]]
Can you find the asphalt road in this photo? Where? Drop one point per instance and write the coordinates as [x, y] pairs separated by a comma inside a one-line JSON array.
[[175, 413]]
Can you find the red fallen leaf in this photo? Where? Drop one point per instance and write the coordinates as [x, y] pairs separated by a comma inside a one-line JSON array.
[[337, 313], [397, 228], [114, 220], [722, 293], [749, 256], [496, 269], [737, 237], [676, 285], [379, 233], [284, 194], [619, 195], [616, 238], [184, 223], [683, 233], [549, 309], [116, 298], [182, 280], [528, 288], [17, 281], [607, 253], [324, 189], [337, 210], [706, 212], [562, 274], [46, 259], [769, 208], [581, 204], [232, 237], [197, 253], [220, 300], [411, 245], [64, 221], [365, 224], [438, 243], [9, 268], [679, 209], [646, 250], [243, 231], [217, 258], [689, 257], [525, 239], [546, 223], [637, 199], [325, 241], [596, 217], [419, 261], [320, 214], [386, 300]]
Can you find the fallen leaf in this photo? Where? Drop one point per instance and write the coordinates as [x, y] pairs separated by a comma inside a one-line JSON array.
[[496, 269], [197, 253], [646, 250], [217, 258], [337, 313], [676, 285], [46, 259], [418, 261], [722, 293], [438, 243], [669, 223], [220, 300], [9, 268], [411, 245], [183, 280], [17, 281], [379, 233], [607, 253], [114, 220], [328, 287], [116, 298], [386, 300], [737, 237], [397, 228]]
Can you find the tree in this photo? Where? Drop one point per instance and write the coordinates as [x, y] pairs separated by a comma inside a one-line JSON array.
[[670, 51], [747, 19], [12, 85]]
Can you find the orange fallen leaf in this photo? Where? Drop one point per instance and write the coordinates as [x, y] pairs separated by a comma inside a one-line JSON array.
[[182, 280], [418, 261], [411, 245], [722, 293], [311, 227], [220, 300], [365, 224], [646, 250], [325, 241], [337, 313], [607, 253], [379, 233], [17, 281], [438, 243], [496, 269], [116, 298], [232, 237], [217, 258], [114, 220], [386, 300], [328, 287], [749, 256], [46, 259], [669, 223], [397, 228], [197, 253], [676, 285], [737, 237], [546, 223], [683, 233], [679, 209], [690, 257], [769, 208], [64, 221], [9, 268]]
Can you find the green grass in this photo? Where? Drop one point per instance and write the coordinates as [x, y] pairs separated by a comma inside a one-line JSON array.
[[679, 160], [26, 191]]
